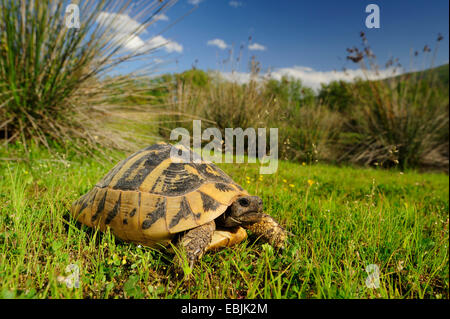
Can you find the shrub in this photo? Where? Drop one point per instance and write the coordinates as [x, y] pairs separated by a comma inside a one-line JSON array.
[[401, 121], [50, 74], [310, 133], [218, 102]]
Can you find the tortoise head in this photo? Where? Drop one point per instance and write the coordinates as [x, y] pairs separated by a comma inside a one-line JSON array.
[[243, 211]]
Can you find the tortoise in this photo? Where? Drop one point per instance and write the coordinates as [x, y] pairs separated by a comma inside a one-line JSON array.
[[154, 199]]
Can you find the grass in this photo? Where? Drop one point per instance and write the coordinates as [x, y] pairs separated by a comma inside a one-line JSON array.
[[342, 219]]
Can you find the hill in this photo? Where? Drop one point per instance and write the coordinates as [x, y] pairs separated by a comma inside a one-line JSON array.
[[439, 73]]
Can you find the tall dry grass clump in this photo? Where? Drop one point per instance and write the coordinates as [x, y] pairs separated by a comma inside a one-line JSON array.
[[307, 130], [219, 102], [310, 133], [229, 104], [402, 120], [51, 75]]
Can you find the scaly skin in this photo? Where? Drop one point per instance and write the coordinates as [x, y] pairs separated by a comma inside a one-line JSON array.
[[195, 242], [269, 230]]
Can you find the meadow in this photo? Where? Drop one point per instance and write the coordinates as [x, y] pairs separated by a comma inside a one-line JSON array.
[[362, 184], [342, 220]]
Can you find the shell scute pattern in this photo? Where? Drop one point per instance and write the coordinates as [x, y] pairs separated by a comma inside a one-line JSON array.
[[147, 198]]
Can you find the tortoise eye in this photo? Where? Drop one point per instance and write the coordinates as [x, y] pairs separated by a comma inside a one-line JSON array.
[[244, 202]]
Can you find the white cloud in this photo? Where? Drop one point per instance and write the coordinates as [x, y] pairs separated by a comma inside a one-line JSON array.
[[135, 43], [161, 17], [168, 45], [194, 2], [130, 43], [257, 47], [218, 43], [118, 22], [123, 27], [312, 78], [238, 77], [235, 4]]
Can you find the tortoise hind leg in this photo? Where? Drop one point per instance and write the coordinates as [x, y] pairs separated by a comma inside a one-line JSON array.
[[227, 237], [195, 242]]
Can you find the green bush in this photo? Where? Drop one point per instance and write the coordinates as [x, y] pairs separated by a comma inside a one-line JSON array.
[[402, 120], [49, 73]]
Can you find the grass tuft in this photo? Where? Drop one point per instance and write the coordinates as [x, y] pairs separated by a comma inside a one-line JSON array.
[[51, 75]]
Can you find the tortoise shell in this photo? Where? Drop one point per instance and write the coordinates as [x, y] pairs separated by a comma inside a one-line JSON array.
[[149, 197]]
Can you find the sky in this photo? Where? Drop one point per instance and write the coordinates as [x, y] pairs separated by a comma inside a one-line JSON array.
[[303, 39]]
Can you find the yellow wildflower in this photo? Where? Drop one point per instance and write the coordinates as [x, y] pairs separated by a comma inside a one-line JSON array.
[[284, 181], [304, 164], [310, 182], [291, 185]]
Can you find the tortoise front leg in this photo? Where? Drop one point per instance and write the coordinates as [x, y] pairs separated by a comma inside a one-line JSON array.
[[266, 228], [196, 241]]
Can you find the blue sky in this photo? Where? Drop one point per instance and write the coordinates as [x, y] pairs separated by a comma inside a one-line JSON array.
[[300, 38]]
